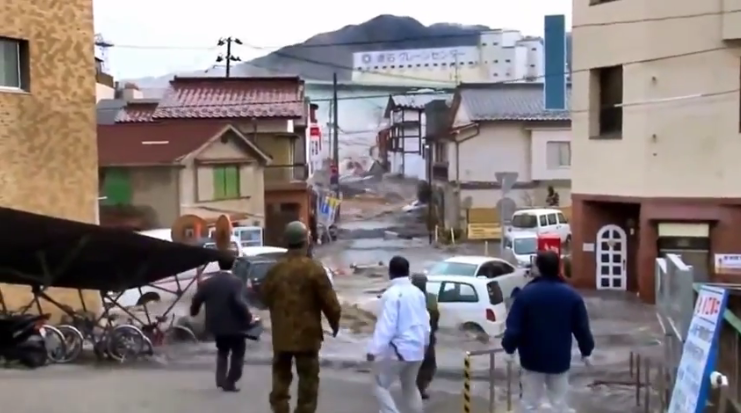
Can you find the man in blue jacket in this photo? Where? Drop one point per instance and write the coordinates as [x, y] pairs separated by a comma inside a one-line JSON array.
[[540, 323]]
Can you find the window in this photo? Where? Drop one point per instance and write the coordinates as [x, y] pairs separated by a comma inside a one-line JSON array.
[[607, 97], [543, 221], [558, 155], [525, 221], [525, 246], [453, 268], [457, 293], [552, 219], [494, 269], [226, 182], [117, 187], [596, 2], [495, 293], [562, 219], [13, 63]]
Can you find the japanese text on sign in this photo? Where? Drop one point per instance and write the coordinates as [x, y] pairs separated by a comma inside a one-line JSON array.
[[698, 354], [415, 56]]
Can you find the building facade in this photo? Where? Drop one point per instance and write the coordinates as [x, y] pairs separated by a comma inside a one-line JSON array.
[[500, 129], [500, 55], [47, 116], [655, 138]]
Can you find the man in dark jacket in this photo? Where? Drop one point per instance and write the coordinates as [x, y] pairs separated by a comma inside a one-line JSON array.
[[227, 319], [297, 292], [429, 364], [540, 323]]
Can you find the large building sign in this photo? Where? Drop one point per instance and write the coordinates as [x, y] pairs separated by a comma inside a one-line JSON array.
[[415, 57]]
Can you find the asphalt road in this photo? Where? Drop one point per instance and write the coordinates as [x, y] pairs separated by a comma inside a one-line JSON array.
[[82, 389]]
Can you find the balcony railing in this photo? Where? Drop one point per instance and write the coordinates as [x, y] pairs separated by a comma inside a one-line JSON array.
[[104, 78], [286, 174], [440, 171]]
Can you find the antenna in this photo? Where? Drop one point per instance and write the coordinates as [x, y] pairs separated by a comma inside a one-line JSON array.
[[101, 50]]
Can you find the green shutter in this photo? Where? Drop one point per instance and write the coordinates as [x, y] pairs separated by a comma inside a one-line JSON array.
[[231, 181], [117, 187], [219, 180]]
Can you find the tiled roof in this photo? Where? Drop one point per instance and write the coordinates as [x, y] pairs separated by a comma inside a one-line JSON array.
[[229, 98], [136, 144], [137, 111], [509, 101]]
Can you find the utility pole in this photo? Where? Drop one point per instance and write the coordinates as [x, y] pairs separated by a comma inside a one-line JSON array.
[[335, 131], [229, 58]]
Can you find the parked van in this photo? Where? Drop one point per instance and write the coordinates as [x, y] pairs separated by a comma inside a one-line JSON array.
[[541, 221]]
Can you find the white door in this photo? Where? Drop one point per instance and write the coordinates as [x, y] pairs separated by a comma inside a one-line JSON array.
[[611, 255]]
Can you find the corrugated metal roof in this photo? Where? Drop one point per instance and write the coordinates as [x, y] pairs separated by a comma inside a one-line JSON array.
[[509, 101], [417, 101]]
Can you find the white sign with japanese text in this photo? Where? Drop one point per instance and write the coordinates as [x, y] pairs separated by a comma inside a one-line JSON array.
[[447, 55], [700, 350], [727, 263]]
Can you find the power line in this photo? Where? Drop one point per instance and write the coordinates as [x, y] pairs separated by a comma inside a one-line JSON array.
[[633, 62], [443, 36]]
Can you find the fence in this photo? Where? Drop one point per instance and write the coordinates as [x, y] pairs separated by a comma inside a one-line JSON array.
[[676, 289], [492, 406]]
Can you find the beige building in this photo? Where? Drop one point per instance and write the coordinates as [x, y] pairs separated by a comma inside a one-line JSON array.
[[500, 128], [210, 146], [655, 137], [47, 115], [104, 84]]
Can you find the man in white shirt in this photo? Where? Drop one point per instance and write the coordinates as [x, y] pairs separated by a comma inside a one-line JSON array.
[[400, 339]]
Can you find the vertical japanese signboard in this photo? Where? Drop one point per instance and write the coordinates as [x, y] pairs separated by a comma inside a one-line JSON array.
[[700, 351]]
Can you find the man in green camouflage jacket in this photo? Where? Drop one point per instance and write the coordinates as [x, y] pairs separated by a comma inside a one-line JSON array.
[[429, 365], [297, 291]]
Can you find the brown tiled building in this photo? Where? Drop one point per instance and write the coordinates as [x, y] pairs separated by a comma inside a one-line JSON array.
[[47, 114], [210, 146]]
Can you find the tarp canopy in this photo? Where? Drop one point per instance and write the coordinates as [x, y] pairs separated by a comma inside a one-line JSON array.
[[47, 251]]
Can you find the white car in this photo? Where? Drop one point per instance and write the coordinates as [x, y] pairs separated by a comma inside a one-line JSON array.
[[541, 221], [474, 266], [475, 304], [414, 206], [520, 248]]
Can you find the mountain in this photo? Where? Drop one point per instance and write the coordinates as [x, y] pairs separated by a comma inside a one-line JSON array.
[[320, 56]]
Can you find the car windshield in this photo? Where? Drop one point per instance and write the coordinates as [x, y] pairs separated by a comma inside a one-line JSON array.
[[258, 270], [453, 268], [525, 246], [525, 221]]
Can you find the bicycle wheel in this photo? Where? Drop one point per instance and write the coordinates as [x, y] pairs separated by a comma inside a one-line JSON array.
[[74, 340], [56, 347], [179, 335], [126, 342]]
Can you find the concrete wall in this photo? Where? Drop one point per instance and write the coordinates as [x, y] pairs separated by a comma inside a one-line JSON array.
[[47, 133], [685, 146]]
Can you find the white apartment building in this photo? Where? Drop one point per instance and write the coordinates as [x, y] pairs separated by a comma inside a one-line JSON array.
[[501, 55], [656, 143]]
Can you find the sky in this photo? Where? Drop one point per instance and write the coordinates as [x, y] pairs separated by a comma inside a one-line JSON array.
[[156, 37]]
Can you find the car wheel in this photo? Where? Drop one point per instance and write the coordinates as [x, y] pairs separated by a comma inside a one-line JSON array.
[[475, 331]]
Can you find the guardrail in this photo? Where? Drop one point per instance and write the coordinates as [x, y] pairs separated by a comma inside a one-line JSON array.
[[492, 396]]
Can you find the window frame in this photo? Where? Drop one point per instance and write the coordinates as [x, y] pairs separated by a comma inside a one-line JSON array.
[[607, 109], [562, 150], [21, 64], [457, 285], [222, 190]]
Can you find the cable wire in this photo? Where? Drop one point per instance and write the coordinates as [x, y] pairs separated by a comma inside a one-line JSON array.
[[378, 96], [443, 36]]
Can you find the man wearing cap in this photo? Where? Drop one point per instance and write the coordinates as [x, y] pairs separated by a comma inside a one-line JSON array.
[[297, 292]]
